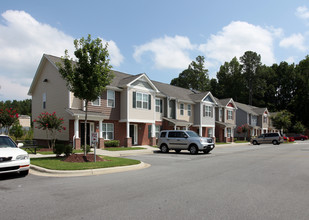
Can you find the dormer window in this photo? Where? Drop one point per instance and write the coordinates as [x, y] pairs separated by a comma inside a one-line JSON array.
[[141, 100]]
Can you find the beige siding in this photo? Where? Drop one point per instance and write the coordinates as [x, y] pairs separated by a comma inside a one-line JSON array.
[[76, 103], [185, 116], [57, 99], [140, 114], [123, 105]]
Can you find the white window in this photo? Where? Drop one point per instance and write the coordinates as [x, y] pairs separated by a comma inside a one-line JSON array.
[[111, 98], [228, 132], [265, 119], [207, 111], [108, 131], [158, 128], [220, 114], [229, 115], [139, 100], [142, 100], [189, 110], [209, 132], [158, 105], [44, 101], [145, 101], [97, 102], [181, 108]]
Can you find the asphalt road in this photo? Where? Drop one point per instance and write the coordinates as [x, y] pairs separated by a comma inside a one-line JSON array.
[[243, 182]]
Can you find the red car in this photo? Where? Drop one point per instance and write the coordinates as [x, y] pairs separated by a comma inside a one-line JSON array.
[[300, 137]]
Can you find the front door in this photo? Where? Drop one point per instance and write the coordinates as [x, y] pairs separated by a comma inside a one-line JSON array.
[[90, 129], [133, 134]]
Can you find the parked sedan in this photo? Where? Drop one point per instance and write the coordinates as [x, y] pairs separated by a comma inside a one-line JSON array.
[[12, 158], [300, 137]]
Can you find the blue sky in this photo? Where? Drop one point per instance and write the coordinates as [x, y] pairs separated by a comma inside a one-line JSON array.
[[159, 38]]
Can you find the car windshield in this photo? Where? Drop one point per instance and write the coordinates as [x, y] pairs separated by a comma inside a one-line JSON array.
[[6, 142], [192, 134]]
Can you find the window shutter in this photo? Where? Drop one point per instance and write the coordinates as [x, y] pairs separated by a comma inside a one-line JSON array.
[[149, 102], [161, 105], [134, 99], [204, 109]]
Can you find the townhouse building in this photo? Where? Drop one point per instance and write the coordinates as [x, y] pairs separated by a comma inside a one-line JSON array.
[[133, 108], [256, 118], [225, 120]]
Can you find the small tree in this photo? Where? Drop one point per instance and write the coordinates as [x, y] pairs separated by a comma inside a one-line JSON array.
[[17, 130], [282, 120], [7, 118], [51, 124], [243, 129], [299, 127], [90, 74]]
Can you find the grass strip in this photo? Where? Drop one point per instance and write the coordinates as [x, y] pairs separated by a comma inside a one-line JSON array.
[[56, 163]]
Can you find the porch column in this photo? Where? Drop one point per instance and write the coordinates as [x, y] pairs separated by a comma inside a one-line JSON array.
[[76, 127], [200, 130], [101, 139], [153, 139], [76, 142], [174, 126], [128, 138], [100, 129]]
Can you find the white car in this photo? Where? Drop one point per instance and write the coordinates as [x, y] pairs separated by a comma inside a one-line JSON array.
[[12, 158]]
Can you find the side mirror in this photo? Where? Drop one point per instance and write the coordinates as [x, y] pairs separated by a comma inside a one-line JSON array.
[[185, 136], [20, 145]]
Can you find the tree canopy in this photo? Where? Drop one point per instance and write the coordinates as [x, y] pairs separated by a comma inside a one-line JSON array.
[[90, 74], [194, 77]]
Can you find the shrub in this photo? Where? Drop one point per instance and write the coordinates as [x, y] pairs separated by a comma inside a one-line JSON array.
[[113, 143], [63, 149], [17, 130], [87, 149]]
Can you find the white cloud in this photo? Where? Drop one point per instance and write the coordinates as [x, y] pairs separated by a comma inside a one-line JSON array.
[[23, 41], [168, 52], [115, 55], [10, 90], [302, 12], [237, 38], [295, 41]]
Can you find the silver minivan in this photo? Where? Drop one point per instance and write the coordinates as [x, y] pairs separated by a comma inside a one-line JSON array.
[[184, 140], [268, 138]]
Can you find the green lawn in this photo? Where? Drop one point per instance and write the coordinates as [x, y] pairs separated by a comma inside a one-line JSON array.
[[123, 148], [56, 163]]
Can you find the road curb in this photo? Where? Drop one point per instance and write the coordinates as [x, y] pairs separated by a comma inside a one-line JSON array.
[[40, 171]]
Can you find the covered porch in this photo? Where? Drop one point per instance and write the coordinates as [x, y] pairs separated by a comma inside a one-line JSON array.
[[225, 131]]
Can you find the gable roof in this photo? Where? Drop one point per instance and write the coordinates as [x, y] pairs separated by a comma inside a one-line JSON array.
[[122, 80], [251, 109]]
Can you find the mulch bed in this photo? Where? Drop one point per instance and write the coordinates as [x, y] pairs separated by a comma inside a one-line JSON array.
[[80, 158]]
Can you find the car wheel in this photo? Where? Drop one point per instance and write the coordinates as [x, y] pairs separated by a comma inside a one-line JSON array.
[[177, 151], [164, 148], [193, 149], [24, 173], [206, 151], [254, 142], [275, 142], [302, 139]]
